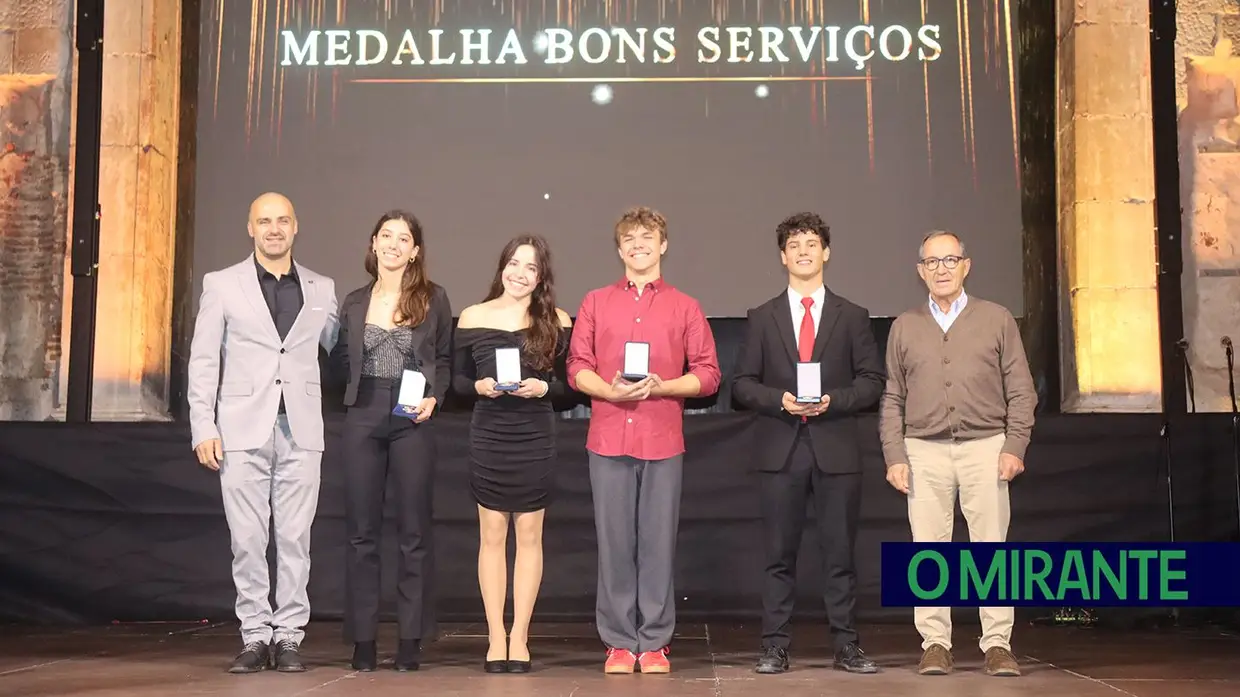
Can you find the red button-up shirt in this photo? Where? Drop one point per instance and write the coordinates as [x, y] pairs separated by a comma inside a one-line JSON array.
[[676, 329]]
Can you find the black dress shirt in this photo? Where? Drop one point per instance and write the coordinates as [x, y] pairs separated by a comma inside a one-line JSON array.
[[284, 299], [283, 296]]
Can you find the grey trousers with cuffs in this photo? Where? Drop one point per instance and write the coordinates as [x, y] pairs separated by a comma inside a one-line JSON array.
[[636, 518]]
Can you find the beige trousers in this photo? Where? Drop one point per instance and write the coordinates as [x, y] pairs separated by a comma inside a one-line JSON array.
[[937, 471]]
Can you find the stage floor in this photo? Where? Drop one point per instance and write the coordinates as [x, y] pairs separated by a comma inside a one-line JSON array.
[[711, 659]]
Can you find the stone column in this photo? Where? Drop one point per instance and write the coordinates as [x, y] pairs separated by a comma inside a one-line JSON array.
[[138, 199], [34, 162], [31, 239], [1108, 276], [1210, 190]]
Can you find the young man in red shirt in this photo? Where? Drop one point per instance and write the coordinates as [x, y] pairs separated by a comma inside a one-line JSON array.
[[636, 440]]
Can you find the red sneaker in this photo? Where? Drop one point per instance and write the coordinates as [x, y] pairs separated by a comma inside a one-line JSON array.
[[655, 661], [619, 661]]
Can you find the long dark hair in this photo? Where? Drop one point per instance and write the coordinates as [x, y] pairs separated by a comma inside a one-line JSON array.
[[544, 333], [415, 287]]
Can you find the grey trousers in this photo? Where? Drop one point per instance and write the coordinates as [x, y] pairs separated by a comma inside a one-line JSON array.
[[279, 482], [636, 516]]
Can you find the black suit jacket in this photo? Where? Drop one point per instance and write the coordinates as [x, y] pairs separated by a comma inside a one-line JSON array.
[[432, 344], [852, 375]]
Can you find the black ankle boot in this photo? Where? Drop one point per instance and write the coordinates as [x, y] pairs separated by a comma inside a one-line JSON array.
[[408, 655], [365, 656]]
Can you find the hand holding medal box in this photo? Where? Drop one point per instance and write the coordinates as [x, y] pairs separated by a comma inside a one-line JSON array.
[[809, 383], [507, 369], [412, 391], [636, 361]]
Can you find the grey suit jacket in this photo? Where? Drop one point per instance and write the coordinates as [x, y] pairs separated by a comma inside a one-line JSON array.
[[239, 367]]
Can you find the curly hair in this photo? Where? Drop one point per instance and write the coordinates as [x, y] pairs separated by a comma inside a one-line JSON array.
[[641, 217], [802, 222]]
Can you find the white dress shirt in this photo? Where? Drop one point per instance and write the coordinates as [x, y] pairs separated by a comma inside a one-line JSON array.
[[798, 311], [947, 319]]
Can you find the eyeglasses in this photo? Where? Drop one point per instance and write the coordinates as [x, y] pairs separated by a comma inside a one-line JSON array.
[[932, 263]]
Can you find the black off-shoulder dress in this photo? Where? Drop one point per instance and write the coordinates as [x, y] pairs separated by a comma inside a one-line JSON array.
[[512, 447]]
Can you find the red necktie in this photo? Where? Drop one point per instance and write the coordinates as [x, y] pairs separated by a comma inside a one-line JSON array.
[[805, 342]]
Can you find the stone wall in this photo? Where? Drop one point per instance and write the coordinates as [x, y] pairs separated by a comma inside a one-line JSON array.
[[1109, 350], [1206, 43], [138, 196], [35, 79]]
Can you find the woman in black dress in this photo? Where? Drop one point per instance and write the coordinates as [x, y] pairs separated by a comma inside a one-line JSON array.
[[512, 434], [400, 321]]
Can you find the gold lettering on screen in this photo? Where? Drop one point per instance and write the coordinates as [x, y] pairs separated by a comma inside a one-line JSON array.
[[852, 46]]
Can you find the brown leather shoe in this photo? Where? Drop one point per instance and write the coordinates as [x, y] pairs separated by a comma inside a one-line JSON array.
[[1001, 663], [937, 660]]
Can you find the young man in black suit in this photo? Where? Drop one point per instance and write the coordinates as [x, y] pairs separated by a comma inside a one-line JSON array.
[[809, 451]]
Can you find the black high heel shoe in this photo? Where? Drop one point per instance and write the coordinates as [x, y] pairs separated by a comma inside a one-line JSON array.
[[498, 666], [519, 666]]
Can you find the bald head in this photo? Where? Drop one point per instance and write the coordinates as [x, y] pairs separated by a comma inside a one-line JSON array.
[[272, 225], [271, 201]]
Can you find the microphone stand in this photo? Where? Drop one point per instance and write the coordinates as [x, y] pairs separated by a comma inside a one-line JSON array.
[[1182, 345], [1235, 421], [1165, 435]]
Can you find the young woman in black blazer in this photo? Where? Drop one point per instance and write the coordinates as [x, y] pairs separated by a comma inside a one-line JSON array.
[[398, 322]]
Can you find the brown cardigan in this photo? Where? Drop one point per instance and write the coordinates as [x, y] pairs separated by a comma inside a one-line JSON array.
[[972, 382]]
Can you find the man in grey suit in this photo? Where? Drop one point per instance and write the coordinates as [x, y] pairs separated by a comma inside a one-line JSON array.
[[255, 400]]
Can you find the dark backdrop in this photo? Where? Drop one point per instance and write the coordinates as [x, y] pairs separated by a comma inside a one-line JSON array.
[[117, 521]]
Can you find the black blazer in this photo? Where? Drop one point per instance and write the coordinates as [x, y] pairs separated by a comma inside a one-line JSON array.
[[432, 344], [852, 375]]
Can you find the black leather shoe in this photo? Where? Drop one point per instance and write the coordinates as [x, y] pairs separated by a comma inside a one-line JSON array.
[[773, 660], [852, 659], [287, 657], [495, 666], [408, 655], [519, 666], [254, 657], [365, 656]]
